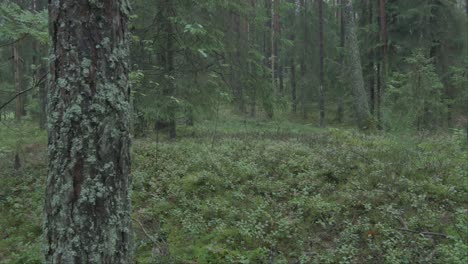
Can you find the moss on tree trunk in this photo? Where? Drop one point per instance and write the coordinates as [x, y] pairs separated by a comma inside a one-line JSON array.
[[87, 204], [353, 62]]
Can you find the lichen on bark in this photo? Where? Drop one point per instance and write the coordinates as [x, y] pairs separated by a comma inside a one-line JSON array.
[[87, 204], [353, 63]]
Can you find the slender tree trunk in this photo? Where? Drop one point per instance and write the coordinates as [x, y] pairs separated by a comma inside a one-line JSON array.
[[87, 205], [371, 66], [303, 59], [292, 60], [39, 71], [273, 45], [269, 54], [466, 56], [340, 109], [43, 100], [322, 59], [250, 40], [361, 105], [279, 63], [281, 80], [293, 85], [384, 56], [170, 67], [16, 70]]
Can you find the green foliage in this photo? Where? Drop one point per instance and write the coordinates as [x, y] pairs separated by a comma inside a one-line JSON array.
[[21, 193], [16, 23], [333, 197], [254, 192], [415, 97]]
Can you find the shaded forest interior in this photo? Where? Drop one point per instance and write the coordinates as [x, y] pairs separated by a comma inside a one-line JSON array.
[[264, 131]]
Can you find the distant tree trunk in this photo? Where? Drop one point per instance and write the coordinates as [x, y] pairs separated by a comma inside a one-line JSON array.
[[16, 70], [279, 63], [170, 66], [371, 62], [293, 85], [466, 56], [273, 45], [322, 58], [384, 62], [268, 52], [38, 72], [303, 4], [292, 61], [250, 33], [340, 109], [239, 59], [281, 80], [42, 101], [353, 60], [166, 11], [87, 205]]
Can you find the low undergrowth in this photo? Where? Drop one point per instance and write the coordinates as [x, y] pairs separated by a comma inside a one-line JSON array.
[[330, 196]]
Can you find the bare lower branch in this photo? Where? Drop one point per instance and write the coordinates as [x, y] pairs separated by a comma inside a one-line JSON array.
[[39, 82]]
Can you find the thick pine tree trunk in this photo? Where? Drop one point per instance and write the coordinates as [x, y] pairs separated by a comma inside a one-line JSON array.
[[87, 205], [353, 60]]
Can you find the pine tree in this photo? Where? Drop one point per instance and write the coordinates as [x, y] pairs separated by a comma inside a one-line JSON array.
[[363, 117], [87, 198], [321, 70]]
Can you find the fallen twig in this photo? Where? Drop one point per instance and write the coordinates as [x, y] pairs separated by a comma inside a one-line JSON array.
[[424, 233], [144, 231]]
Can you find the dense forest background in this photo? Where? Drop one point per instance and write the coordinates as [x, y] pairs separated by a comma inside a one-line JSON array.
[[344, 123], [395, 66]]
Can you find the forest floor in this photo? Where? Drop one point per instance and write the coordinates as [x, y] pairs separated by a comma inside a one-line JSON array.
[[266, 192]]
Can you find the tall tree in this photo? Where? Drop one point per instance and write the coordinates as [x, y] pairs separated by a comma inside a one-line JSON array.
[[353, 60], [273, 45], [87, 203], [321, 71], [16, 69], [382, 70], [341, 17], [303, 5]]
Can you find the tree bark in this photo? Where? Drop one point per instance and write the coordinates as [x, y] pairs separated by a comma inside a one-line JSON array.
[[303, 4], [293, 85], [273, 45], [340, 108], [363, 117], [170, 66], [16, 70], [322, 59], [384, 62], [251, 39], [87, 207], [371, 61]]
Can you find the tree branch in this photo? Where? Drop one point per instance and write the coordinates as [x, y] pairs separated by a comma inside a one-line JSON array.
[[39, 82], [13, 42]]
